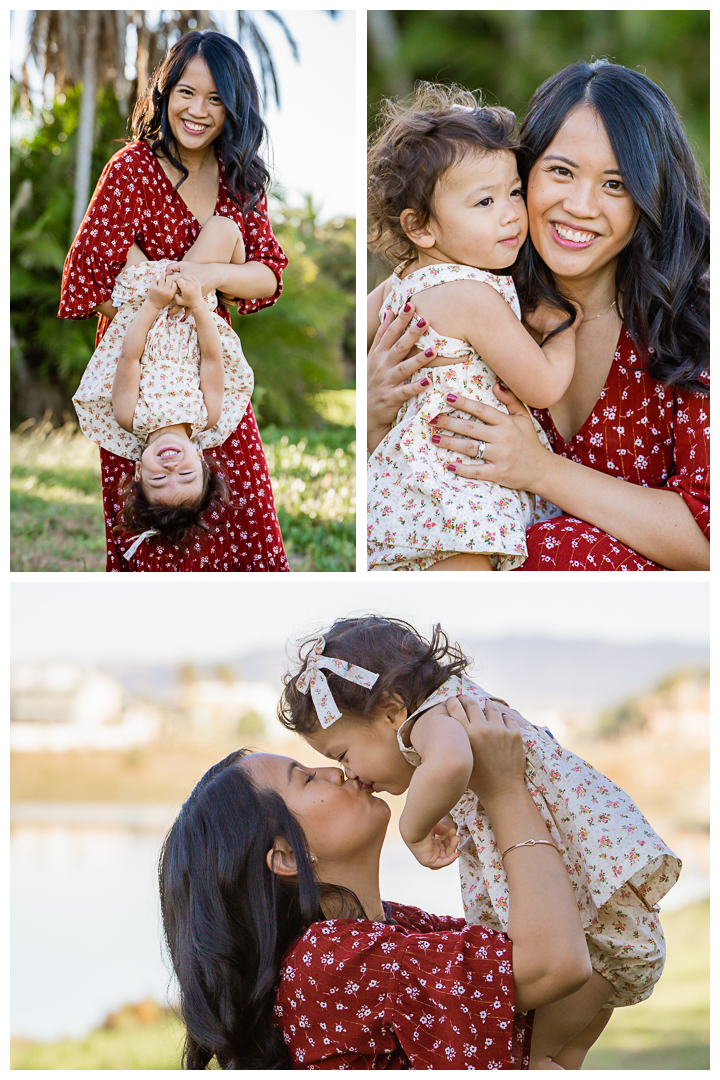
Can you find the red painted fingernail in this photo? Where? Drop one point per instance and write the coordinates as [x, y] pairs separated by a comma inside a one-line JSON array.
[[452, 468], [436, 438], [429, 352], [421, 322], [424, 382], [502, 385], [451, 397], [406, 308], [434, 419]]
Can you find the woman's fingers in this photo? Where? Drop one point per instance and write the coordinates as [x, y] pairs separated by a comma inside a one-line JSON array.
[[485, 414]]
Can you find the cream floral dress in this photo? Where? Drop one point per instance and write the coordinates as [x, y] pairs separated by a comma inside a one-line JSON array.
[[618, 865], [170, 374], [418, 512]]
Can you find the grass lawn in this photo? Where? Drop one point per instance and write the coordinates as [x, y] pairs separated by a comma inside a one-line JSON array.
[[56, 502], [669, 1031]]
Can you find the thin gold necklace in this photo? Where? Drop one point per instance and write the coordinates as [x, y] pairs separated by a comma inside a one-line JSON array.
[[592, 319]]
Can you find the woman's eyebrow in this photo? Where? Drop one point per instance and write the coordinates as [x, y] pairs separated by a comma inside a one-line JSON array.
[[574, 165], [291, 766], [558, 157]]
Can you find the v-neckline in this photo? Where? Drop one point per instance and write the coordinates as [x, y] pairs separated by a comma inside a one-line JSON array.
[[175, 190], [588, 418]]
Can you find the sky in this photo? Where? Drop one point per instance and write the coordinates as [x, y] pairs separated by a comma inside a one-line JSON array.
[[136, 618], [313, 132]]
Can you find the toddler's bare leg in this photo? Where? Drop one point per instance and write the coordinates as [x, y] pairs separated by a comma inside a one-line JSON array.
[[220, 241], [464, 561], [572, 1056], [134, 256], [557, 1026]]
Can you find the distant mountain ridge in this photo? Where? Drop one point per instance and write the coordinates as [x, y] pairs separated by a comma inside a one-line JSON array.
[[580, 675]]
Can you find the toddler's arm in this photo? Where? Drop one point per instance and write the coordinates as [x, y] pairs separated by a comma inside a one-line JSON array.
[[212, 368], [437, 783], [126, 384], [475, 312]]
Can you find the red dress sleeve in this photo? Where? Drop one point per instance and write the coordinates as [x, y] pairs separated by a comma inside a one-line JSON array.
[[261, 246], [691, 456], [366, 995], [113, 219]]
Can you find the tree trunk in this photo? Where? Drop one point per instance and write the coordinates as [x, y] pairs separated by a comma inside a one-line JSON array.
[[86, 123]]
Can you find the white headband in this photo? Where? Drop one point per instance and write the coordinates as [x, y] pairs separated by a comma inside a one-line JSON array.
[[137, 541], [313, 680]]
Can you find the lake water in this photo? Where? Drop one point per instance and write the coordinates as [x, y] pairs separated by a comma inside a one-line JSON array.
[[86, 935]]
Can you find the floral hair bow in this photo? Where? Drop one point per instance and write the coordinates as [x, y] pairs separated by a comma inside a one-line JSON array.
[[313, 681]]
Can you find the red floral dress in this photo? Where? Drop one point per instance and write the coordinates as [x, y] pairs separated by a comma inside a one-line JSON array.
[[135, 201], [418, 992], [641, 431]]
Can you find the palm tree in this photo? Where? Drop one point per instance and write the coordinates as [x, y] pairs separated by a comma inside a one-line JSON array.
[[93, 48]]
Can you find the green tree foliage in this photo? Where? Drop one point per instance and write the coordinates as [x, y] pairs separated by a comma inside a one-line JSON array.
[[306, 342], [509, 53], [302, 345]]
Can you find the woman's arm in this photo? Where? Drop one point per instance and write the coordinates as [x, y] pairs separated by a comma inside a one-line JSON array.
[[652, 521], [247, 281], [550, 956]]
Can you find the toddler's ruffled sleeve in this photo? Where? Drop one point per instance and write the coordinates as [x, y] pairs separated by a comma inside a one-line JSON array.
[[691, 430], [99, 251], [261, 246]]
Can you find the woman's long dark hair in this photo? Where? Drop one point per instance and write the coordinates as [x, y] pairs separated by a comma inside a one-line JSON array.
[[228, 919], [661, 285], [244, 129]]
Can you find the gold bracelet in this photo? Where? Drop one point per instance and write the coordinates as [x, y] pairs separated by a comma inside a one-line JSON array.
[[530, 843]]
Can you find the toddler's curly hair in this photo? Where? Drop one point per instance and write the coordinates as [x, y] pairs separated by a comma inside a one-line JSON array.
[[409, 667], [416, 143], [176, 523]]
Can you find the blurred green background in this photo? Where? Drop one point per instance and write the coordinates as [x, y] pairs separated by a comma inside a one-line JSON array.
[[508, 54], [302, 350]]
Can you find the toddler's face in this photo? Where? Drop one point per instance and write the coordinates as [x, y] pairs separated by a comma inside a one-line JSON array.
[[367, 751], [479, 213], [170, 470]]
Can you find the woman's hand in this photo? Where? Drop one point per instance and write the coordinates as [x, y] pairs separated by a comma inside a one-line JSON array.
[[203, 272], [189, 291], [498, 751], [388, 368], [501, 447]]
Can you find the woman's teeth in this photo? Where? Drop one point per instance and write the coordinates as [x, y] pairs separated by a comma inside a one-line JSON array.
[[193, 127], [573, 235]]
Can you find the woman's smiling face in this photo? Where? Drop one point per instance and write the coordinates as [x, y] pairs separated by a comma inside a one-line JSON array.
[[195, 112], [580, 213]]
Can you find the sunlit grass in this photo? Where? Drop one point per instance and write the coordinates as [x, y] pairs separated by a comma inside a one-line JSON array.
[[56, 500]]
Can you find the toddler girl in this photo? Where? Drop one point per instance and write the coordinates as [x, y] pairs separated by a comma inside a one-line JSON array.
[[379, 699], [445, 196], [160, 388]]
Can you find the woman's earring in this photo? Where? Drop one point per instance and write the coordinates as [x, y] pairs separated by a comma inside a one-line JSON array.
[[313, 859]]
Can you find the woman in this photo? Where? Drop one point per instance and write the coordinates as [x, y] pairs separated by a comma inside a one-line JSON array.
[[197, 131], [287, 957], [617, 225]]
